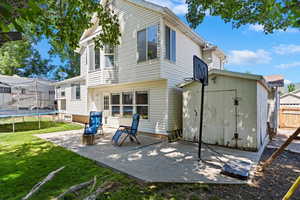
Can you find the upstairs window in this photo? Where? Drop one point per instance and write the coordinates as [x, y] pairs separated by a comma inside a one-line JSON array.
[[97, 58], [147, 42], [170, 44], [109, 56], [75, 91]]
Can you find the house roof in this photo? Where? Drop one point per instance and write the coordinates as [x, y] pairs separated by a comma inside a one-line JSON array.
[[15, 80], [70, 80], [275, 80], [164, 11], [291, 94], [212, 72]]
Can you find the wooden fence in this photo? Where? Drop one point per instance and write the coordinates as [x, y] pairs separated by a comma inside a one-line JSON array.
[[289, 117]]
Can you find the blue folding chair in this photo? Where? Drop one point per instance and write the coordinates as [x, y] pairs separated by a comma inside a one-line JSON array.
[[95, 122], [130, 131]]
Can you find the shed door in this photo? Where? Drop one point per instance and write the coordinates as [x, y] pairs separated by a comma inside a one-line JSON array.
[[219, 118]]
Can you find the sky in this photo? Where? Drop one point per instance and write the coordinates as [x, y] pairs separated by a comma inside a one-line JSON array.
[[248, 48]]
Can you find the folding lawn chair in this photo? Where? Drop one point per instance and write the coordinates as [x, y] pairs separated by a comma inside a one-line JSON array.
[[130, 131], [95, 123]]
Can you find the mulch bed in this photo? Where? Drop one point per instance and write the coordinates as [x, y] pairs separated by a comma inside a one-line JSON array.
[[271, 184]]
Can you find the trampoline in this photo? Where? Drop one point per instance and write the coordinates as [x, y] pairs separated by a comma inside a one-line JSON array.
[[25, 97]]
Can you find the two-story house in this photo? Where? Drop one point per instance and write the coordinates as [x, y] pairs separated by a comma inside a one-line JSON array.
[[140, 75]]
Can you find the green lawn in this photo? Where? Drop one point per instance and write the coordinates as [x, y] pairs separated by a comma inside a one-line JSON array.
[[26, 159]]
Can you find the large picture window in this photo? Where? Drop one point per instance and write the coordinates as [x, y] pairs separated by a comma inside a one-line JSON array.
[[170, 44], [115, 105], [127, 101], [142, 106], [147, 42]]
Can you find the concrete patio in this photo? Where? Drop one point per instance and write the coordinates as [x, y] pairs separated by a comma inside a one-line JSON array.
[[156, 160]]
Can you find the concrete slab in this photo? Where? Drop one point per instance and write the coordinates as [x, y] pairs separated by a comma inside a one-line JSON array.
[[281, 137], [157, 160]]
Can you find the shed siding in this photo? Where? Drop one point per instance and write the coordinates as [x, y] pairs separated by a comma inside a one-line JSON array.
[[158, 118], [262, 115], [219, 97]]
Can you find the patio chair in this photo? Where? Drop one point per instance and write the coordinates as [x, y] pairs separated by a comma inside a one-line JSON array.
[[95, 123], [130, 131]]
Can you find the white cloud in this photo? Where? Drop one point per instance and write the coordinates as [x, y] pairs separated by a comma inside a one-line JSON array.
[[287, 82], [179, 7], [247, 57], [284, 49], [288, 65], [260, 28], [256, 27]]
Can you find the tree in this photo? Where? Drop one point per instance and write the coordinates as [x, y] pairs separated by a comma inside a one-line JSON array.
[[19, 57], [291, 87], [60, 21], [271, 14]]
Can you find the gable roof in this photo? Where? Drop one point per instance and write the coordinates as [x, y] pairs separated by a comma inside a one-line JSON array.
[[165, 12], [289, 95]]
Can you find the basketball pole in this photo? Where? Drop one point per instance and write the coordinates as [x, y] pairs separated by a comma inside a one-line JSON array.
[[201, 123]]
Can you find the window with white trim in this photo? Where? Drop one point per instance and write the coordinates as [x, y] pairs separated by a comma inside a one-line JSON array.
[[75, 93], [115, 105], [147, 43], [109, 56], [142, 104], [97, 58], [127, 103], [170, 38]]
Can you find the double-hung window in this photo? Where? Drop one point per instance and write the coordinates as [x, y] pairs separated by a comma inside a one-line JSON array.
[[115, 105], [170, 44], [75, 93], [147, 43], [127, 102], [142, 104], [109, 56], [97, 58]]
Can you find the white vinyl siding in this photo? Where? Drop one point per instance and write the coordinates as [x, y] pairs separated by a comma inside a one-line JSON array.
[[157, 105]]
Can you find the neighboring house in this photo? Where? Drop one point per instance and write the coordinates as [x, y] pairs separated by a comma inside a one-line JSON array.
[[5, 93], [140, 75], [291, 99], [235, 110], [276, 83], [20, 93]]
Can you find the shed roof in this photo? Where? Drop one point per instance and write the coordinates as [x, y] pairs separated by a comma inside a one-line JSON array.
[[219, 72]]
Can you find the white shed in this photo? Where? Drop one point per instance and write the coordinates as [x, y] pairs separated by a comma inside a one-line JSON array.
[[235, 110]]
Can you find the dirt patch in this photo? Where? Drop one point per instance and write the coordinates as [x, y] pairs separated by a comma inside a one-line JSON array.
[[271, 184]]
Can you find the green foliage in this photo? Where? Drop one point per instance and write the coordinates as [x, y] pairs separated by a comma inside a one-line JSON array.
[[272, 14], [291, 87], [60, 21], [19, 57]]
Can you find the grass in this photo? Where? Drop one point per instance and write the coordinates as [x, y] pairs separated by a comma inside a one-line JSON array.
[[25, 160]]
